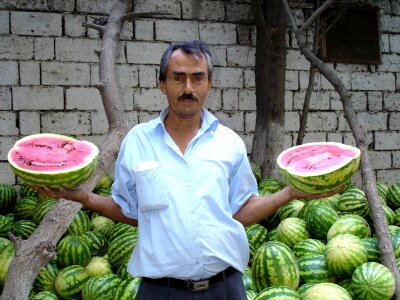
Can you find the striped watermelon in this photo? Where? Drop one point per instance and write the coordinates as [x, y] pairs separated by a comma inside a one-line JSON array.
[[122, 271], [53, 160], [270, 185], [25, 207], [102, 224], [45, 295], [98, 266], [251, 295], [389, 215], [25, 190], [97, 242], [318, 167], [395, 237], [304, 287], [326, 291], [371, 281], [354, 201], [45, 281], [120, 249], [42, 209], [6, 256], [274, 264], [344, 253], [292, 230], [23, 228], [393, 196], [319, 218], [290, 209], [120, 229], [308, 247], [73, 250], [8, 197], [6, 224], [105, 182], [313, 269], [278, 293], [352, 224], [101, 287], [70, 281], [346, 284], [256, 235], [127, 289], [4, 242], [256, 171], [80, 224], [247, 279], [372, 246], [382, 190]]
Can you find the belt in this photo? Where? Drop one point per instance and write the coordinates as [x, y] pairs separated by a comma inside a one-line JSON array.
[[193, 285]]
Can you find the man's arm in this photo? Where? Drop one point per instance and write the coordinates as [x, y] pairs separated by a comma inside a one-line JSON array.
[[259, 208], [104, 205]]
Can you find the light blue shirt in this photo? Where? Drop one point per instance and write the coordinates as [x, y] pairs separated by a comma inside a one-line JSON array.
[[184, 203]]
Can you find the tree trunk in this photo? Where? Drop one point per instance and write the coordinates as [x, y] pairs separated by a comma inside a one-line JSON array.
[[270, 71], [367, 173], [34, 253]]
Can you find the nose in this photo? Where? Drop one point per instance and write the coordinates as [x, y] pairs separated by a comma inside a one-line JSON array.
[[188, 88]]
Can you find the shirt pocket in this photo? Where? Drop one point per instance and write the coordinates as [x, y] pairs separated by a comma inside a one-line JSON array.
[[151, 188]]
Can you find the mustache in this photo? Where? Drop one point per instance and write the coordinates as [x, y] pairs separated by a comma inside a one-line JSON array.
[[188, 97]]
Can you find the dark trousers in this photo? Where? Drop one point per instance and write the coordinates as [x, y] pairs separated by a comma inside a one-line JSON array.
[[231, 288]]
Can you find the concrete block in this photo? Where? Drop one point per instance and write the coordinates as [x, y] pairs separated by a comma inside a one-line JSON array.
[[292, 121], [218, 33], [4, 22], [61, 5], [7, 175], [396, 159], [320, 100], [29, 122], [304, 79], [8, 122], [394, 121], [58, 73], [214, 100], [394, 43], [389, 176], [83, 98], [249, 78], [127, 76], [133, 117], [127, 32], [334, 137], [144, 30], [233, 120], [373, 121], [9, 72], [94, 6], [6, 143], [67, 122], [170, 6], [244, 34], [312, 137], [16, 47], [248, 141], [99, 122], [176, 30], [29, 73], [26, 4], [288, 100], [322, 121], [292, 80], [127, 98], [239, 12], [287, 141], [73, 25], [219, 55], [250, 121], [203, 10], [145, 116], [145, 53], [344, 77], [148, 76], [380, 159], [296, 61], [44, 49], [375, 101], [241, 56], [391, 101], [387, 140], [5, 98], [385, 43], [230, 99], [149, 99], [228, 77], [77, 50], [38, 98], [390, 63], [247, 100], [36, 23], [373, 82], [390, 24]]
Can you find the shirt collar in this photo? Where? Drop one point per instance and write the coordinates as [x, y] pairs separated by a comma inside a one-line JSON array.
[[209, 120]]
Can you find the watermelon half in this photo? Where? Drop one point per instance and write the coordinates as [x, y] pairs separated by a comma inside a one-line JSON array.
[[318, 167], [53, 160]]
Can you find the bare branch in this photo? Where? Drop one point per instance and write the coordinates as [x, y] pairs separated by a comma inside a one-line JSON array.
[[316, 15], [99, 28]]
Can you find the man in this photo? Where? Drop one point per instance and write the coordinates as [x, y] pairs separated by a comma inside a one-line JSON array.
[[185, 180]]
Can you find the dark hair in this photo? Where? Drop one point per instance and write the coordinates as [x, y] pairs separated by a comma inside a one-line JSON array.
[[196, 49]]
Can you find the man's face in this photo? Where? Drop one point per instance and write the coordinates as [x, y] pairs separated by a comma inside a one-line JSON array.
[[186, 85]]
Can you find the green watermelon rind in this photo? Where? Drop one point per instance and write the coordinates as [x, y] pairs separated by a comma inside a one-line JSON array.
[[64, 178], [315, 184]]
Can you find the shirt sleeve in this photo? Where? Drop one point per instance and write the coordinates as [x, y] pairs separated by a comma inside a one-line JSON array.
[[243, 184], [123, 188]]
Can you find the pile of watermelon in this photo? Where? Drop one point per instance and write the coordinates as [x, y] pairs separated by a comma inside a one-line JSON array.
[[322, 249], [92, 256]]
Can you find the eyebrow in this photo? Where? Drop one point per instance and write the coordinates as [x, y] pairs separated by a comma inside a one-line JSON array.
[[176, 73]]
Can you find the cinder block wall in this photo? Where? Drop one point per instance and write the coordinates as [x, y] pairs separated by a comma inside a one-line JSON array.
[[48, 73]]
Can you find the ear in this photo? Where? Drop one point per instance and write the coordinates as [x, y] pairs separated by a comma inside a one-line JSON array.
[[162, 86]]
